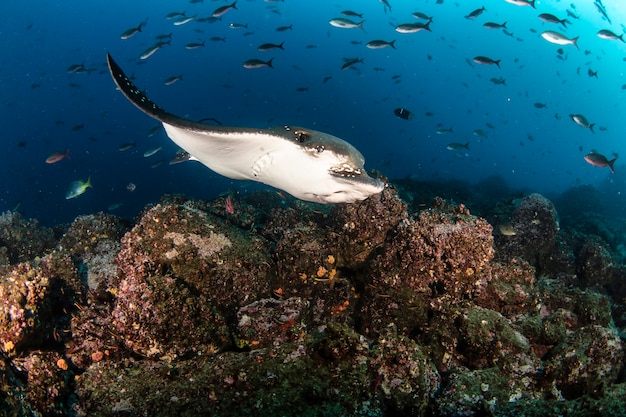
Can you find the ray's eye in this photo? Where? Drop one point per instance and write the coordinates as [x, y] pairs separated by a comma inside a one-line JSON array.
[[302, 137], [320, 148]]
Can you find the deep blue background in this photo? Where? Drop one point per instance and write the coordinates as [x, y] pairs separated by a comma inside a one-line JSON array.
[[41, 102]]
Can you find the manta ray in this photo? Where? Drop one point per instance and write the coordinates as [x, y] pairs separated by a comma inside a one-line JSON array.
[[310, 165]]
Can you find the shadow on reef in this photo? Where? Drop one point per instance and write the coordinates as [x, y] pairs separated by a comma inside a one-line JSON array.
[[264, 305]]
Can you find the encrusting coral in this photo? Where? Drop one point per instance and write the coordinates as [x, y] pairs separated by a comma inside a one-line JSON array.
[[277, 307]]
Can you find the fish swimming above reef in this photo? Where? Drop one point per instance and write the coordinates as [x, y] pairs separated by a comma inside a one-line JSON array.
[[380, 44], [222, 10], [484, 60], [271, 46], [530, 3], [77, 188], [455, 146], [582, 121], [352, 14], [559, 39], [57, 156], [174, 78], [607, 34], [444, 130], [413, 27], [475, 13], [492, 25], [550, 18], [349, 62], [403, 113], [599, 160], [127, 34], [342, 22], [257, 63], [148, 52], [308, 164]]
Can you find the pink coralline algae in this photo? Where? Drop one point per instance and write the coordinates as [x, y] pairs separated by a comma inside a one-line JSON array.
[[185, 272], [279, 307]]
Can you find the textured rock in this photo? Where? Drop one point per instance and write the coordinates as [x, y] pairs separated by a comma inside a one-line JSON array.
[[22, 239], [536, 225], [184, 273]]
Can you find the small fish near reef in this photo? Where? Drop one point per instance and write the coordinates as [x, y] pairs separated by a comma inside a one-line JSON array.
[[380, 44], [506, 229], [455, 146], [310, 165], [127, 34], [484, 60], [343, 23], [403, 113], [475, 13], [559, 39], [257, 63], [77, 188], [229, 205], [582, 121], [608, 35], [413, 27], [530, 3], [599, 160], [222, 10], [57, 156]]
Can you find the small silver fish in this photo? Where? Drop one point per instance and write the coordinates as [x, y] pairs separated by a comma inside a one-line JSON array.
[[150, 152], [474, 14], [129, 33], [257, 63], [559, 39], [183, 20], [195, 45], [270, 46], [171, 80], [379, 44], [455, 146], [222, 10], [152, 49], [607, 34], [413, 27], [550, 18], [582, 121], [484, 60], [342, 22], [492, 25]]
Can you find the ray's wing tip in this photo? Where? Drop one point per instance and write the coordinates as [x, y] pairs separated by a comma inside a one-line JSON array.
[[114, 68]]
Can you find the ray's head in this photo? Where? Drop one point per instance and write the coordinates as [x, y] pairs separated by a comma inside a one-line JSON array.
[[338, 174]]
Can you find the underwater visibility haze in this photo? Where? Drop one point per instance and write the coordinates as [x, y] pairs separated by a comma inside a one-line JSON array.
[[475, 263]]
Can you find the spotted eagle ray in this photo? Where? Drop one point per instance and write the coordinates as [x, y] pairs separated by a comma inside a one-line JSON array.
[[309, 165]]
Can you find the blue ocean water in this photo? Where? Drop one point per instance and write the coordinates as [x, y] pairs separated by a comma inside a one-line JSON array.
[[432, 74]]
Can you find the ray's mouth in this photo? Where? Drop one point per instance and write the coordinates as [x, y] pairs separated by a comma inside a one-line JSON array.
[[347, 171], [356, 175]]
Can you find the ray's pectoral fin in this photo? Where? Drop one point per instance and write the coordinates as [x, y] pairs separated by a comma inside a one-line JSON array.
[[134, 95]]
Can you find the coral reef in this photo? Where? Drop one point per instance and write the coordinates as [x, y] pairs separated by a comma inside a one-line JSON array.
[[536, 224], [22, 240], [264, 305]]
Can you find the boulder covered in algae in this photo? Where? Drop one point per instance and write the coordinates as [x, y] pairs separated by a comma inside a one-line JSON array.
[[297, 309], [185, 273]]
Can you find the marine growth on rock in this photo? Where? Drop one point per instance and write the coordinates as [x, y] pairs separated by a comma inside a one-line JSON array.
[[287, 308]]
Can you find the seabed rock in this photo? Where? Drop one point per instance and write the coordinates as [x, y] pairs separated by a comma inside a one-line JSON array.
[[285, 308]]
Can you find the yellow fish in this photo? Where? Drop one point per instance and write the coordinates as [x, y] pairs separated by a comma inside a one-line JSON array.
[[77, 188]]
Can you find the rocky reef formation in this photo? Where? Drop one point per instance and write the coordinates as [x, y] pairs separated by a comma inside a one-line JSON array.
[[284, 308]]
